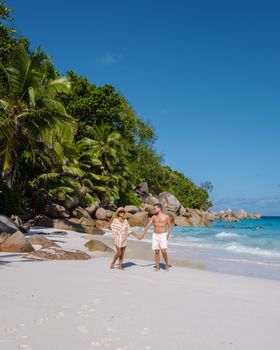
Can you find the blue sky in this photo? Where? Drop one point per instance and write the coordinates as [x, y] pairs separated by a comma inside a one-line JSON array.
[[205, 74]]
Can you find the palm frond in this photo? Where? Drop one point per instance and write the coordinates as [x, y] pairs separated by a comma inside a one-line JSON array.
[[48, 176], [100, 188], [58, 86]]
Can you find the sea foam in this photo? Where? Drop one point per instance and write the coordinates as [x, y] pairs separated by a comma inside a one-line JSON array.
[[252, 251], [227, 235]]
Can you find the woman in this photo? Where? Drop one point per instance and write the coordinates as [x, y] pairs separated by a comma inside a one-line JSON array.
[[121, 230]]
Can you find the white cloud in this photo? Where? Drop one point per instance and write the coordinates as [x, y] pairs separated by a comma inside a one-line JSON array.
[[110, 58]]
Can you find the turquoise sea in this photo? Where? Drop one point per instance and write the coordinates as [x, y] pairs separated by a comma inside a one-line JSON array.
[[248, 247]]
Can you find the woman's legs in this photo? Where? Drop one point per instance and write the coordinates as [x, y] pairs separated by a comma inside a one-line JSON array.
[[116, 257], [121, 258]]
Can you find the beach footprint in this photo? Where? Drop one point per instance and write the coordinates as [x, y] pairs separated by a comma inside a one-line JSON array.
[[111, 330], [103, 342], [85, 311], [231, 344], [145, 331], [24, 336], [10, 330], [24, 346], [41, 320], [61, 314], [127, 316], [96, 344], [83, 314], [82, 329], [106, 342]]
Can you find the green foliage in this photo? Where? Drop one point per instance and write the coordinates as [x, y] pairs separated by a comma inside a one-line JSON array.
[[6, 33], [129, 197], [4, 11], [93, 106], [146, 166], [184, 189], [30, 116], [11, 201], [63, 136], [8, 39]]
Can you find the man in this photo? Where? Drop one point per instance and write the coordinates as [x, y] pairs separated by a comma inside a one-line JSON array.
[[160, 236]]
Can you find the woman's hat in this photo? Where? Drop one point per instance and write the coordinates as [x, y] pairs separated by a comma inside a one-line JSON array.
[[120, 210]]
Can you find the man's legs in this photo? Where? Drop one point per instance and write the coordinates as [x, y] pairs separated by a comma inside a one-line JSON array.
[[165, 258], [116, 257], [157, 258]]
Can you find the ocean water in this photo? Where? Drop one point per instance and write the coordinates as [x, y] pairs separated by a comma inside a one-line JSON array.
[[248, 247]]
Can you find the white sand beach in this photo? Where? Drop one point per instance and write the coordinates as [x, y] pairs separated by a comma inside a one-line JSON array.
[[84, 305]]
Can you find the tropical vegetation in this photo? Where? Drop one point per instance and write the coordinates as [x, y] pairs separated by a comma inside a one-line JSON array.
[[64, 137]]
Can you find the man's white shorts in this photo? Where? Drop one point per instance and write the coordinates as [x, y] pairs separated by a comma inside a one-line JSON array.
[[159, 241]]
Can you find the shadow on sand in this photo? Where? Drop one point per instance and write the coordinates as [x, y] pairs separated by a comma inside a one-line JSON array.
[[9, 258], [131, 264]]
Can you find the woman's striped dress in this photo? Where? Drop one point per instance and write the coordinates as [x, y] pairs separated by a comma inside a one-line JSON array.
[[121, 231]]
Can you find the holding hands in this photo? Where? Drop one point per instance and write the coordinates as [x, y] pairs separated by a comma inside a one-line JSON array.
[[140, 237]]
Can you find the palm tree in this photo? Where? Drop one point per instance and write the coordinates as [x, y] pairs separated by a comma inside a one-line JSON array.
[[106, 145], [30, 115], [74, 176], [110, 148]]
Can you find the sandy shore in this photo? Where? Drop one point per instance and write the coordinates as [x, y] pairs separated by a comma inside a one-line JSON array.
[[84, 305]]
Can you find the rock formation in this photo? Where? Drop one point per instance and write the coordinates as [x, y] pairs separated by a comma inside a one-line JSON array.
[[7, 225], [41, 241], [94, 245], [57, 254], [16, 243]]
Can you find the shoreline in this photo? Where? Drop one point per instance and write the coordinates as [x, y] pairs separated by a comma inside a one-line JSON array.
[[179, 254], [143, 251], [185, 256]]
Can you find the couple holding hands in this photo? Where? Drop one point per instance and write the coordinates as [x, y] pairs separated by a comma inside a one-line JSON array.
[[121, 230]]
